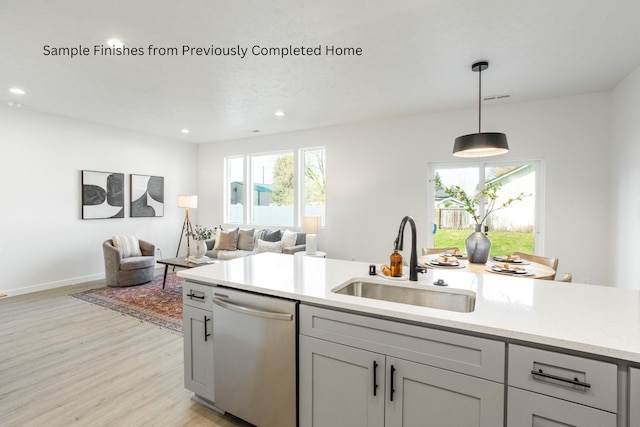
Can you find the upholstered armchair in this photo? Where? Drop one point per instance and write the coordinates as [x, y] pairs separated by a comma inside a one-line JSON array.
[[122, 270]]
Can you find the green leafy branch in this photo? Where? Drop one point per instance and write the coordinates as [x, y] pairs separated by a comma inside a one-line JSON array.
[[200, 233], [488, 194]]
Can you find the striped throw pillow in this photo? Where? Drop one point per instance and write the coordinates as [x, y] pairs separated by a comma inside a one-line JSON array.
[[127, 245]]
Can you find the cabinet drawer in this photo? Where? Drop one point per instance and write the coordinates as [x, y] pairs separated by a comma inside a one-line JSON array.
[[480, 357], [197, 295], [577, 379], [528, 409]]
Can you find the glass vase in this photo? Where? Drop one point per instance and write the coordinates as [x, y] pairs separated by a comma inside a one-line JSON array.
[[201, 248]]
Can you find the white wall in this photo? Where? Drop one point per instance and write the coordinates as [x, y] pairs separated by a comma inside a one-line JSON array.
[[44, 243], [377, 173], [625, 180]]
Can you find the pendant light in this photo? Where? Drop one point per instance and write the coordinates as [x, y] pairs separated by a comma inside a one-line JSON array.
[[481, 144]]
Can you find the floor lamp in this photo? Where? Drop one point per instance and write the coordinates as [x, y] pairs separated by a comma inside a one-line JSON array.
[[311, 225], [186, 202]]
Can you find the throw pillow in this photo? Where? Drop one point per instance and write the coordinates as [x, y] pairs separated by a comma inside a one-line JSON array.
[[226, 240], [264, 246], [127, 245], [271, 235], [289, 238], [245, 239]]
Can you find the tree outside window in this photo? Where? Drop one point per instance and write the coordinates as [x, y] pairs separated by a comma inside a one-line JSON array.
[[314, 183]]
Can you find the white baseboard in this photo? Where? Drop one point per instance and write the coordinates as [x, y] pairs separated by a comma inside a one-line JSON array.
[[52, 285], [66, 282]]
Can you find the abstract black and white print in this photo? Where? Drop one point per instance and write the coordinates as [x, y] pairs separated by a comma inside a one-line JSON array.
[[102, 195], [147, 196]]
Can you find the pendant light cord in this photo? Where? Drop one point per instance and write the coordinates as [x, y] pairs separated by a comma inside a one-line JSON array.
[[480, 100]]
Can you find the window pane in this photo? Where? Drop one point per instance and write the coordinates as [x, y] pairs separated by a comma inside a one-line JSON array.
[[272, 178], [314, 183], [235, 182], [453, 222], [510, 229]]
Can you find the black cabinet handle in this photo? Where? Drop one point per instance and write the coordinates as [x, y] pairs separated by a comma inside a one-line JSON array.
[[375, 377], [391, 389], [192, 296], [574, 381], [205, 328]]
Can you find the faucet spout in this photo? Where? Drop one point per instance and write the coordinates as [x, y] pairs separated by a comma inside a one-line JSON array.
[[413, 262]]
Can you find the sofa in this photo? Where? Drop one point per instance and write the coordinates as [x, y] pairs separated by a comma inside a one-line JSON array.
[[241, 242], [128, 261]]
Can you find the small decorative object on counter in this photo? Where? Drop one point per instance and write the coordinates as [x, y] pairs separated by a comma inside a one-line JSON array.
[[372, 270], [395, 264]]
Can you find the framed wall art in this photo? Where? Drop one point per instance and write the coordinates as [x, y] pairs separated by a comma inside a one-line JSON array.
[[147, 196], [102, 195]]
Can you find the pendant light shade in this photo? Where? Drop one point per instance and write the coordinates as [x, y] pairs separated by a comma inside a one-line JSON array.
[[481, 144]]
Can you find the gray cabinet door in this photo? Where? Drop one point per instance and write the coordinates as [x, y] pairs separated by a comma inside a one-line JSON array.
[[428, 396], [634, 397], [528, 409], [337, 385], [198, 351]]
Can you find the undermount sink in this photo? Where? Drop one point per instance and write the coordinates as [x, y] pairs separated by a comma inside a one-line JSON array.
[[433, 298]]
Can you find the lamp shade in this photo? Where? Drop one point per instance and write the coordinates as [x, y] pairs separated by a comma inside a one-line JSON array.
[[312, 224], [480, 145], [188, 201]]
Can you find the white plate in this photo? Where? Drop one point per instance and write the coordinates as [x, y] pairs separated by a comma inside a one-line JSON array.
[[460, 256], [445, 264], [508, 271], [501, 259]]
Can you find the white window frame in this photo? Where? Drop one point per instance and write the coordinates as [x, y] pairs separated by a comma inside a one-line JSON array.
[[538, 233], [300, 182], [250, 207], [227, 189], [248, 199]]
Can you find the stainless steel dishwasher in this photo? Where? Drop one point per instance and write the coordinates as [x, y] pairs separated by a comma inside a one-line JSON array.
[[255, 349]]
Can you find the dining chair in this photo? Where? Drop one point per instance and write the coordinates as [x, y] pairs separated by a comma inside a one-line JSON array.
[[566, 278], [549, 262], [431, 251]]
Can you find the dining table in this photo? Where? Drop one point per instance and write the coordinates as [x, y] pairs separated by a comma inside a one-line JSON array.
[[499, 264]]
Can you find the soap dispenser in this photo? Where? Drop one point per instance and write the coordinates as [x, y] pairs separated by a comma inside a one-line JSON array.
[[395, 263]]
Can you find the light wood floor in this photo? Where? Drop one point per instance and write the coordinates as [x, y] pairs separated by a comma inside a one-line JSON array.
[[65, 362]]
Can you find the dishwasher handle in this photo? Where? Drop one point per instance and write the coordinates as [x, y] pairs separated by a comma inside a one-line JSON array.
[[252, 312]]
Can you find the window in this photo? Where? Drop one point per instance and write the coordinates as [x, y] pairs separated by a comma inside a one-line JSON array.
[[272, 183], [314, 182], [284, 186], [235, 187], [510, 229]]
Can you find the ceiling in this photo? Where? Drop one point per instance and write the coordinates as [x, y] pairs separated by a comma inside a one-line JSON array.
[[416, 57]]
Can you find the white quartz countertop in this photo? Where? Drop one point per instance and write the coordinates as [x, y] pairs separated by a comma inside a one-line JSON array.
[[599, 320]]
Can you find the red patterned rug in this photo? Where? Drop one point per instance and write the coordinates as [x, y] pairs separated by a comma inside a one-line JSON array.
[[148, 303]]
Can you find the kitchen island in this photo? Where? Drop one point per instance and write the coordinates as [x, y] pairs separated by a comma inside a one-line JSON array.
[[525, 318]]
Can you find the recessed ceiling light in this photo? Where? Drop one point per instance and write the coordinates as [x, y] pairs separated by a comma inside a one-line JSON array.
[[279, 113], [185, 131], [115, 43], [17, 91]]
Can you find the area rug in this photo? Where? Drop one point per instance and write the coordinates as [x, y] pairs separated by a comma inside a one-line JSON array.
[[148, 303]]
